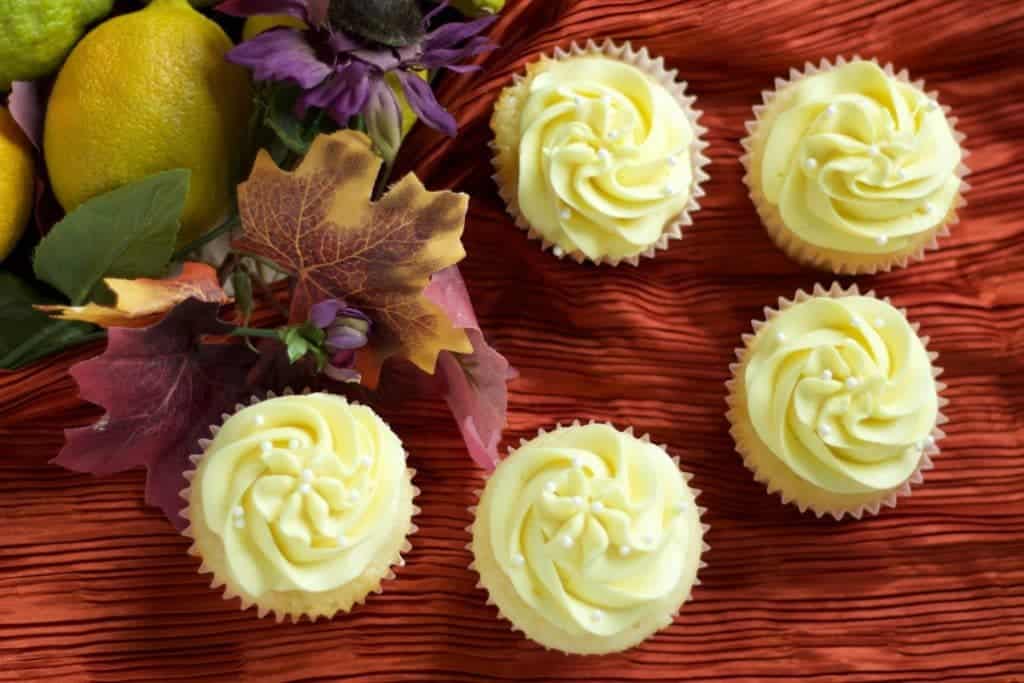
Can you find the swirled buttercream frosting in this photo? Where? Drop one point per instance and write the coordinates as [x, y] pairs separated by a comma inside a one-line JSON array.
[[300, 493], [603, 155], [841, 391], [855, 160], [592, 530]]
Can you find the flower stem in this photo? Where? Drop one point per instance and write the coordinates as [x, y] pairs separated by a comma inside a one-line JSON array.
[[254, 332]]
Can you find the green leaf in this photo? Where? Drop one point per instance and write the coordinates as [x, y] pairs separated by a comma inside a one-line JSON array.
[[296, 135], [26, 334], [242, 282], [129, 232]]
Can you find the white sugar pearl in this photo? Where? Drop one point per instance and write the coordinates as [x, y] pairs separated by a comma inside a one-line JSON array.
[[238, 511], [929, 441], [558, 251], [293, 444], [597, 506], [565, 214], [577, 501], [882, 240], [647, 539], [825, 431], [625, 550], [604, 155], [577, 100], [879, 322], [857, 321], [901, 174], [239, 523], [827, 375], [566, 541], [671, 160], [342, 540], [932, 105], [606, 99], [596, 616], [852, 382], [680, 507], [259, 420], [576, 461], [668, 190], [874, 151], [831, 110], [810, 163], [266, 446], [305, 487], [518, 560], [364, 461], [929, 207], [613, 135], [550, 486], [353, 496], [780, 336], [307, 475]]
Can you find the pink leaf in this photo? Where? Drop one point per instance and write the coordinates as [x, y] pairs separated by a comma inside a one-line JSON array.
[[162, 388], [27, 109], [475, 384]]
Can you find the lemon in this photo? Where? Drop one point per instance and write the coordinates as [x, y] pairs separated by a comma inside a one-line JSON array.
[[17, 174], [264, 22], [38, 34], [147, 92]]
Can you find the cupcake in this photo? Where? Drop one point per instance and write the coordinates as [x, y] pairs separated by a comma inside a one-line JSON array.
[[852, 168], [834, 403], [300, 505], [588, 539], [599, 153]]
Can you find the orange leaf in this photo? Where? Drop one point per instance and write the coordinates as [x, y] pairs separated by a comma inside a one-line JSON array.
[[141, 302], [318, 223]]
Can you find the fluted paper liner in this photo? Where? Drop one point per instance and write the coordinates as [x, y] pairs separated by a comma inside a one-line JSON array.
[[295, 604], [504, 123], [841, 262], [536, 623], [769, 470]]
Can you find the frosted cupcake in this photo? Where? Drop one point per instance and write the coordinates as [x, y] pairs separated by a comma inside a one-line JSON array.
[[301, 505], [588, 539], [834, 402], [853, 168], [599, 153]]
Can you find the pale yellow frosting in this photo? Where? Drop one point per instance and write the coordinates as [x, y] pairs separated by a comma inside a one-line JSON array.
[[594, 528], [302, 492], [858, 161], [604, 157], [841, 391]]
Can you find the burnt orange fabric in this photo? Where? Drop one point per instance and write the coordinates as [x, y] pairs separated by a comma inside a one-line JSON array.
[[94, 586]]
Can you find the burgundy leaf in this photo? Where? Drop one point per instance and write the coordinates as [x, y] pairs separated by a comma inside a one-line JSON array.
[[475, 384], [162, 388]]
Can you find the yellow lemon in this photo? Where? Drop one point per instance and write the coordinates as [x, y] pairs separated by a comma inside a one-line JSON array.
[[264, 22], [147, 92], [17, 173]]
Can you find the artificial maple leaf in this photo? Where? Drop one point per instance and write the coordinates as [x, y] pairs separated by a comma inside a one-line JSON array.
[[475, 384], [318, 223], [162, 388], [142, 301]]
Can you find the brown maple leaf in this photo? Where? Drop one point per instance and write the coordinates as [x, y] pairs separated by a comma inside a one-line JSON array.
[[319, 223]]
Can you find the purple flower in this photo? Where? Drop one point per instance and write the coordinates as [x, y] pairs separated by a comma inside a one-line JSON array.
[[343, 74], [346, 331]]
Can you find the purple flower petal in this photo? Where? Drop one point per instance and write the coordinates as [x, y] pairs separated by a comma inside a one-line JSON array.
[[343, 95], [344, 339], [323, 313], [281, 54], [341, 374], [454, 33], [422, 101], [248, 8]]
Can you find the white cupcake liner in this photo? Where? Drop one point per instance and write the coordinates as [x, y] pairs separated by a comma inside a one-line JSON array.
[[220, 582], [843, 263], [701, 564], [781, 482], [512, 98]]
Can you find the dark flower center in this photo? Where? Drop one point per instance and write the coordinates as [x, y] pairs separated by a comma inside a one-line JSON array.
[[395, 23]]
